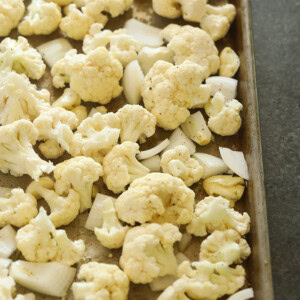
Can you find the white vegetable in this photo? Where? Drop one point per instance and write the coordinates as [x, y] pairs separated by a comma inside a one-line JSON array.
[[4, 191], [7, 241], [227, 86], [184, 242], [212, 165], [144, 33], [5, 263], [54, 50], [179, 138], [154, 151], [132, 82], [180, 257], [235, 160], [161, 283], [152, 163], [242, 295], [29, 296], [53, 278]]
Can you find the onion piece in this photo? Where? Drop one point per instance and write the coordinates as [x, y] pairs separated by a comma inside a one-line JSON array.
[[179, 138], [243, 295], [54, 50], [180, 257], [235, 160], [144, 33], [212, 165], [53, 278], [154, 151], [4, 191], [152, 163], [8, 243], [227, 86], [161, 283], [184, 242], [132, 82], [95, 218]]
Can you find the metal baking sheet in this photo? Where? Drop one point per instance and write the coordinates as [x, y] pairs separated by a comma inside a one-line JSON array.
[[247, 140]]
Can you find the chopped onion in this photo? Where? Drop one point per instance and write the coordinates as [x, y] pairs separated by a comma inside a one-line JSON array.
[[179, 138], [212, 165], [152, 163], [161, 283], [95, 217], [235, 160], [5, 263], [54, 50], [227, 86], [8, 243], [154, 151], [184, 242], [144, 33], [180, 257], [53, 278], [132, 82], [242, 295]]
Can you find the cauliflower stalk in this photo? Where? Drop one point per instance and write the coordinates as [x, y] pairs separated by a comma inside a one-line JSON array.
[[78, 174], [100, 281], [156, 197], [148, 252], [17, 155], [39, 241], [51, 149]]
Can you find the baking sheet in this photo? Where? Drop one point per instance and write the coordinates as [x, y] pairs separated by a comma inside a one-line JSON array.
[[247, 140]]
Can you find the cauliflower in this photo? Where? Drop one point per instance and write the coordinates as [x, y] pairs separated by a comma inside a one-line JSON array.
[[121, 167], [39, 241], [230, 62], [156, 197], [101, 281], [204, 280], [61, 2], [96, 136], [11, 12], [19, 56], [17, 155], [194, 44], [137, 123], [224, 115], [42, 18], [79, 174], [51, 149], [19, 99], [179, 163], [7, 284], [170, 31], [224, 246], [112, 233], [167, 8], [17, 208], [116, 7], [148, 252], [94, 77], [56, 124], [214, 213], [80, 113], [168, 91], [217, 19], [64, 210]]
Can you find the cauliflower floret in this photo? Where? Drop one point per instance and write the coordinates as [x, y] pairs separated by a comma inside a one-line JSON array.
[[217, 19], [19, 56], [116, 7], [205, 281], [148, 252], [17, 155], [11, 12], [167, 8], [194, 44], [168, 91], [64, 210], [80, 112], [214, 213], [137, 123], [121, 167], [17, 208], [42, 18], [178, 162], [56, 124], [19, 99], [96, 136], [79, 174], [7, 284], [224, 246], [224, 115], [101, 281], [230, 62], [39, 241], [170, 31], [112, 233], [156, 197], [51, 149], [61, 2]]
